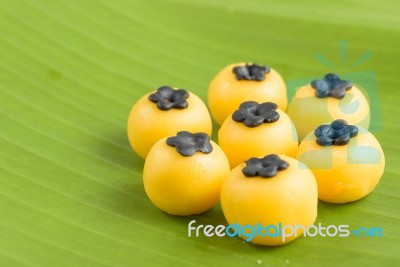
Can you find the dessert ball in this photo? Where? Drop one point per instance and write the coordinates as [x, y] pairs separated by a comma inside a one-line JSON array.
[[242, 82], [163, 113], [325, 100], [270, 192], [347, 161], [255, 130], [183, 174]]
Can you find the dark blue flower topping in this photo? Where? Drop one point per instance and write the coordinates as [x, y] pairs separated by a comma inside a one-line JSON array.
[[331, 85], [338, 133], [166, 98], [187, 144], [265, 167], [253, 114], [253, 72]]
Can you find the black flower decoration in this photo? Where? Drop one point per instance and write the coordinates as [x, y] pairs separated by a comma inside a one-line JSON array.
[[265, 167], [253, 72], [331, 85], [253, 114], [338, 133], [166, 98], [187, 144]]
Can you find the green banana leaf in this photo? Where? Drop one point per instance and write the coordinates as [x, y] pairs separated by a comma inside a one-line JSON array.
[[71, 191]]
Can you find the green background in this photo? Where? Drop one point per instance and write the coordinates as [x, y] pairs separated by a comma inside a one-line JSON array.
[[71, 191]]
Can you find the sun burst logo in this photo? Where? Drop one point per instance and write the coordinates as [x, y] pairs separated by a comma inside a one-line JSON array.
[[364, 79]]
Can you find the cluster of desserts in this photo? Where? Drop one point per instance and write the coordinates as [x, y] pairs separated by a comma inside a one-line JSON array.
[[258, 169]]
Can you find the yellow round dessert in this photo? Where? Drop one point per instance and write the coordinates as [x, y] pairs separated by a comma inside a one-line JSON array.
[[346, 160], [326, 100], [255, 130], [183, 174], [274, 190], [163, 113], [242, 82]]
